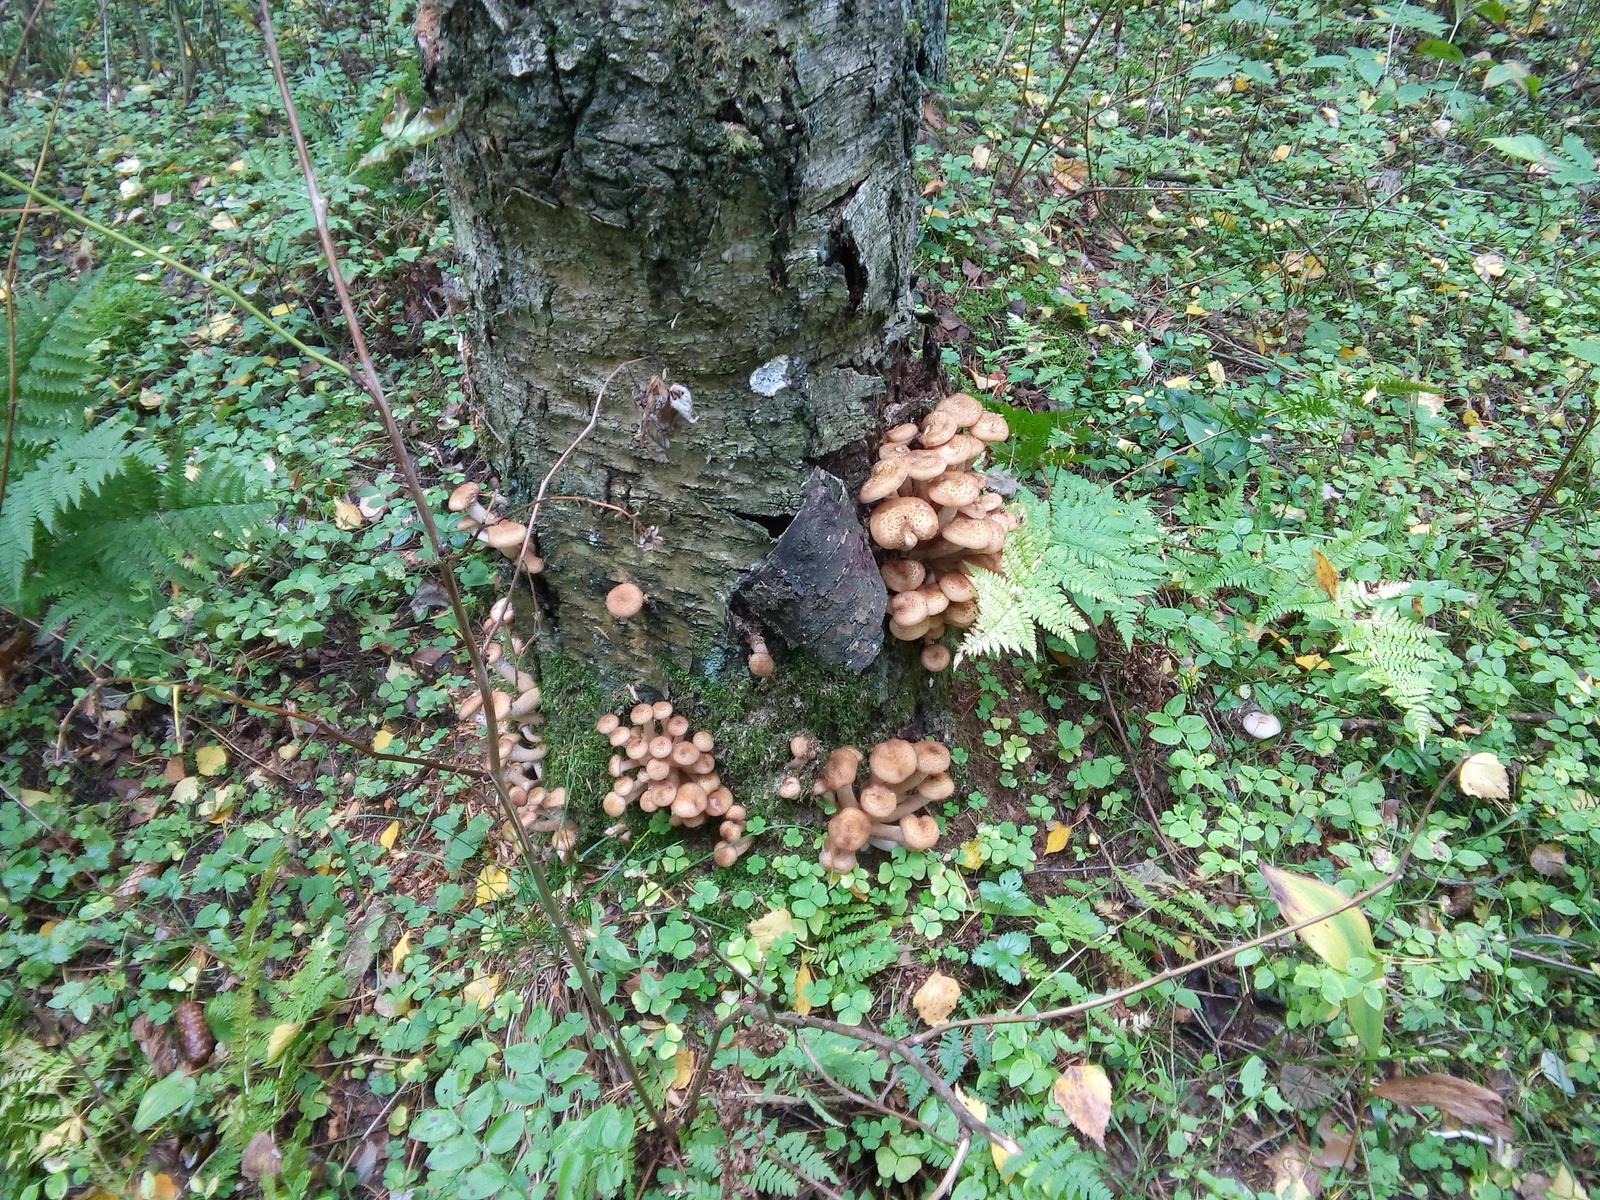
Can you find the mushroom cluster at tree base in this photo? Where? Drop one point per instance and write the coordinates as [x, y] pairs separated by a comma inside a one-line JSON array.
[[660, 764], [936, 516], [904, 777]]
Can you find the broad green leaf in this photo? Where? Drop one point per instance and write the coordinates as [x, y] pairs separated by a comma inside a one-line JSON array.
[[1524, 146], [435, 1125], [456, 1154], [164, 1099], [1336, 940], [1439, 48]]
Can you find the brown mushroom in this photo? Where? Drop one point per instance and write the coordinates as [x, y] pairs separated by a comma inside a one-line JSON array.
[[938, 428], [624, 601], [955, 488], [935, 658], [964, 408], [887, 476], [901, 433], [902, 522], [892, 761], [919, 831], [760, 662], [991, 427], [902, 574]]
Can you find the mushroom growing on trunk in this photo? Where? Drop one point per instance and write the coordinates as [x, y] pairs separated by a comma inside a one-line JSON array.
[[935, 510]]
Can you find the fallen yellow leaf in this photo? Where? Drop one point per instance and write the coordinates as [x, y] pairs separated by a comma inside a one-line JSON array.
[[1195, 309], [1312, 662], [387, 837], [936, 999], [1484, 775], [1215, 373], [492, 882], [1084, 1094], [397, 956], [766, 929], [210, 760], [218, 807], [480, 992], [382, 740], [278, 1041], [1327, 574], [802, 980], [1056, 840], [973, 854], [683, 1065], [346, 515], [223, 223], [1278, 155]]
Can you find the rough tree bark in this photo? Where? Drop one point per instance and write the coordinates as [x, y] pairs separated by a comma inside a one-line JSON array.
[[722, 192]]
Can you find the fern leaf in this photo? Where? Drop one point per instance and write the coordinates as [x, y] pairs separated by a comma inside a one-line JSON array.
[[54, 334]]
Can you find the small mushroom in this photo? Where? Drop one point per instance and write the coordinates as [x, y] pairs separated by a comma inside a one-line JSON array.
[[1261, 725], [464, 499], [760, 662], [935, 658], [624, 601], [887, 476], [900, 523], [903, 574], [964, 408]]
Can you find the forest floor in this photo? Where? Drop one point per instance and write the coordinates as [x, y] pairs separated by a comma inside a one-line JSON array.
[[1293, 312]]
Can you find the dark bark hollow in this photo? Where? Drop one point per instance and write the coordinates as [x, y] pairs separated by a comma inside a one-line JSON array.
[[719, 191]]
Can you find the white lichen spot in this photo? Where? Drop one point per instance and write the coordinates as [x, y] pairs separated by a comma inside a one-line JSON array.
[[770, 378]]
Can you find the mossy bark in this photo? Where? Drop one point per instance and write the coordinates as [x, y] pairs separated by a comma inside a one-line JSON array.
[[718, 194]]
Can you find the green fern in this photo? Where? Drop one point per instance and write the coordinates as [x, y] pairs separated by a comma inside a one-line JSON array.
[[31, 1100], [97, 527], [1083, 548]]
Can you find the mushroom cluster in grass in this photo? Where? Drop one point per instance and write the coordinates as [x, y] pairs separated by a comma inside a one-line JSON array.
[[506, 536], [937, 518], [660, 764], [903, 777], [522, 750]]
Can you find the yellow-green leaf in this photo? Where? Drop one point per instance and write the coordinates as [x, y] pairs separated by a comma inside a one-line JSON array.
[[387, 837], [278, 1041], [397, 956], [210, 760], [802, 980], [382, 740], [480, 992], [936, 998], [186, 791], [1336, 940]]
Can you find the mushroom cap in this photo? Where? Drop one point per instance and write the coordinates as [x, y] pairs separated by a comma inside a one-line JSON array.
[[615, 804], [919, 831], [532, 563], [964, 408], [910, 633], [901, 433], [608, 723], [677, 725], [704, 742], [991, 427], [924, 464], [1261, 725], [956, 586], [684, 754], [938, 786], [657, 769], [661, 710], [729, 831], [902, 574], [887, 476], [789, 788], [893, 760], [639, 714], [893, 450], [718, 801], [727, 854], [761, 665], [505, 536], [932, 756], [900, 523], [970, 534], [462, 497], [962, 448], [938, 428], [839, 770], [956, 488], [660, 746], [849, 830], [878, 800], [934, 601], [636, 747], [935, 658], [802, 745], [963, 614], [909, 608], [689, 801], [837, 863], [624, 600]]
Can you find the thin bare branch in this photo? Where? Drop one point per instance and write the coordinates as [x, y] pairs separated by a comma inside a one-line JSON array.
[[408, 471]]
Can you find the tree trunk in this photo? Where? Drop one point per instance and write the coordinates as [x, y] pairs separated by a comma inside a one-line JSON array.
[[719, 194]]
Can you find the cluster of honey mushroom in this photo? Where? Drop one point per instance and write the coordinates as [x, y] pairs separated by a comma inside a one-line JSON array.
[[522, 750], [936, 516], [905, 776], [661, 765], [504, 535]]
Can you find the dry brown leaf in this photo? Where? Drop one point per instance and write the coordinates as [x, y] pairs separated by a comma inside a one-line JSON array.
[[1468, 1102], [1084, 1094], [1293, 1176], [161, 1187], [936, 999], [1338, 1145], [174, 772], [1483, 775], [1327, 574], [1548, 858], [261, 1158]]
